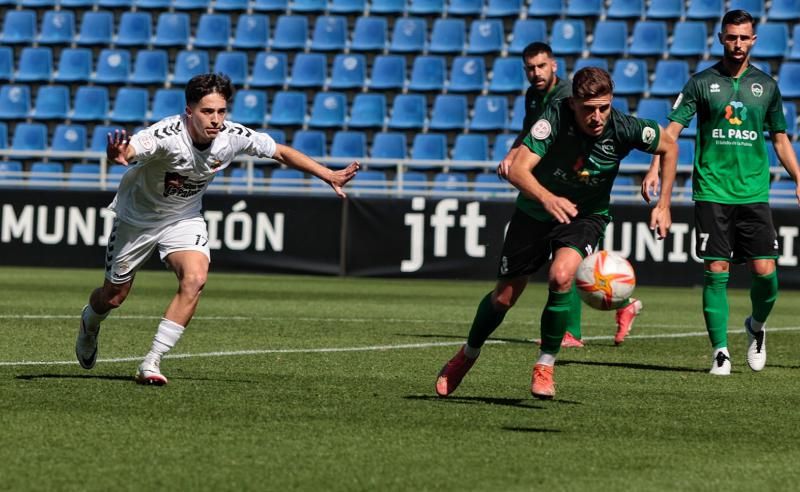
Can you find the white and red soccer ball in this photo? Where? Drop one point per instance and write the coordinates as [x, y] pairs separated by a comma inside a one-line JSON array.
[[605, 280]]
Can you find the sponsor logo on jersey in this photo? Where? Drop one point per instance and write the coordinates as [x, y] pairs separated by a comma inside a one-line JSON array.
[[608, 146], [541, 130], [757, 90], [714, 87], [179, 186], [648, 134], [735, 113]]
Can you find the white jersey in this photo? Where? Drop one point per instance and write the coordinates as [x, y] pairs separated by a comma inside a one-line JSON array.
[[171, 175]]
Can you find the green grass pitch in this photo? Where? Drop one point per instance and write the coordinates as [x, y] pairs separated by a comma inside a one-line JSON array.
[[312, 383]]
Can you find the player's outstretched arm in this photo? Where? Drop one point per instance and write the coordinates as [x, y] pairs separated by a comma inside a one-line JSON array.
[[785, 152], [521, 176], [119, 149], [667, 153], [505, 165], [298, 160], [650, 183]]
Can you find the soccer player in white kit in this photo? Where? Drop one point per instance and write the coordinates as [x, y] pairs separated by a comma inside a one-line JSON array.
[[158, 206]]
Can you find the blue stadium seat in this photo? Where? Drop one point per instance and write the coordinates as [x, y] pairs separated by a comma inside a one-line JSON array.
[[291, 33], [485, 36], [428, 147], [42, 180], [3, 136], [408, 111], [100, 136], [448, 36], [783, 189], [789, 79], [278, 135], [368, 111], [6, 63], [773, 40], [348, 72], [369, 181], [9, 171], [74, 65], [525, 32], [412, 181], [347, 6], [309, 70], [69, 138], [252, 31], [754, 7], [288, 108], [704, 64], [113, 67], [188, 64], [279, 6], [449, 112], [502, 144], [468, 8], [794, 54], [213, 31], [191, 4], [150, 67], [546, 8], [77, 3], [445, 183], [328, 110], [239, 176], [623, 187], [649, 38], [310, 142], [705, 9], [568, 37], [15, 101], [286, 178], [490, 113], [669, 77], [82, 176], [491, 184], [610, 38], [716, 46], [408, 35], [233, 64], [52, 102], [116, 4], [369, 34], [387, 6], [249, 107], [665, 10], [790, 113], [504, 8], [584, 8], [351, 144], [630, 77], [30, 136], [58, 27], [312, 6], [135, 29], [425, 7], [130, 105], [269, 70], [471, 147], [388, 72], [635, 158], [168, 102], [468, 74], [625, 9], [590, 62], [19, 27], [90, 103], [784, 10], [153, 4], [507, 76], [388, 145], [517, 115], [35, 65], [428, 73], [685, 151], [330, 33], [689, 39], [654, 109], [97, 28], [172, 29]]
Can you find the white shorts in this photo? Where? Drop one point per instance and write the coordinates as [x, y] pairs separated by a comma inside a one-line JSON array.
[[129, 247]]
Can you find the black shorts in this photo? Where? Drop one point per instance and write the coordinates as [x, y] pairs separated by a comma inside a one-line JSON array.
[[529, 243], [734, 232]]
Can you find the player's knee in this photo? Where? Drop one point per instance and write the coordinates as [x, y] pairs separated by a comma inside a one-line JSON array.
[[193, 283], [503, 302], [560, 279]]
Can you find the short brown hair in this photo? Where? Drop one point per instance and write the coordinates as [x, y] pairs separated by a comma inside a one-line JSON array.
[[202, 85], [591, 82]]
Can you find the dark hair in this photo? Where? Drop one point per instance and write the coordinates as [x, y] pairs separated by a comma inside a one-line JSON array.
[[536, 48], [591, 82], [202, 85], [737, 17]]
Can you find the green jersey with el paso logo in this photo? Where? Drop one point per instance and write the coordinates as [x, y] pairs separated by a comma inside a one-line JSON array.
[[579, 167], [731, 164]]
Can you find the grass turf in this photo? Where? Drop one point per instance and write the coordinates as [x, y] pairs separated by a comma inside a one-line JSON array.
[[642, 416]]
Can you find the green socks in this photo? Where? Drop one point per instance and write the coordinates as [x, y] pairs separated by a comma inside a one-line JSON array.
[[555, 318], [487, 319], [763, 293], [715, 307]]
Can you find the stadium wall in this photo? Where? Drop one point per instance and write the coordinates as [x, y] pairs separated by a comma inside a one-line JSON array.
[[420, 237]]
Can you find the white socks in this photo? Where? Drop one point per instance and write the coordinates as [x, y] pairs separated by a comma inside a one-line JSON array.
[[92, 320], [546, 359], [166, 337]]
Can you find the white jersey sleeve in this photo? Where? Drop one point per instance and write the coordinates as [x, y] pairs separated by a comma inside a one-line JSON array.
[[243, 140]]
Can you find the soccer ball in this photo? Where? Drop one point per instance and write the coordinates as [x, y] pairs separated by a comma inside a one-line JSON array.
[[605, 280]]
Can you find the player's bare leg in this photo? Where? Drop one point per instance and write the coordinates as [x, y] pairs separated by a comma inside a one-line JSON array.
[[191, 268], [101, 302]]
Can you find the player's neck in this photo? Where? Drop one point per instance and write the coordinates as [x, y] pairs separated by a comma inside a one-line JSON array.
[[735, 69]]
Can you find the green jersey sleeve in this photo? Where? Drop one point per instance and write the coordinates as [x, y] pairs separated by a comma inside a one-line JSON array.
[[775, 120], [639, 133], [544, 132], [685, 105]]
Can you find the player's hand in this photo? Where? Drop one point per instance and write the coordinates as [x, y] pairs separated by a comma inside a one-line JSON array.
[[504, 167], [660, 221], [341, 177], [117, 148], [560, 208], [650, 185]]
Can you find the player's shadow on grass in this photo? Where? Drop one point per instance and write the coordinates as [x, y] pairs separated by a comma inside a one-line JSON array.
[[489, 400], [526, 341], [33, 377], [631, 365], [529, 429]]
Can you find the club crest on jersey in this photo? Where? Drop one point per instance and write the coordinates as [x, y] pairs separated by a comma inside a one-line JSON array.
[[757, 90], [714, 87], [147, 142], [735, 113], [541, 130], [648, 135], [215, 164]]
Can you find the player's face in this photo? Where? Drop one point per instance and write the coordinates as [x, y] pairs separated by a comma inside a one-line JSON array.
[[541, 71], [206, 117], [592, 114], [737, 41]]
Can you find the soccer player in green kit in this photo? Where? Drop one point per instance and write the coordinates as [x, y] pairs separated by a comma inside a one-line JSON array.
[[735, 103], [564, 171]]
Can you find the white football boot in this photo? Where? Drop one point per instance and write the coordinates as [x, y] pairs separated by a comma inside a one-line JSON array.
[[86, 345], [756, 347], [150, 373], [720, 364]]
